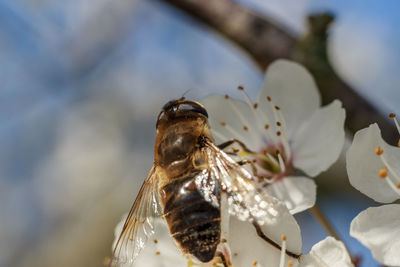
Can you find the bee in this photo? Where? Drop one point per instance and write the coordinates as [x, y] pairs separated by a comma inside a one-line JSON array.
[[189, 185]]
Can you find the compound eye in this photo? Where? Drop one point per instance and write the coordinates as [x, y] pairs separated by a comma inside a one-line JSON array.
[[194, 108], [161, 115]]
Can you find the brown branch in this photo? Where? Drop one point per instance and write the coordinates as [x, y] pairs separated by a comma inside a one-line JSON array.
[[266, 42]]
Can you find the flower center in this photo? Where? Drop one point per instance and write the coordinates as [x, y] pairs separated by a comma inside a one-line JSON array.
[[388, 173], [274, 160]]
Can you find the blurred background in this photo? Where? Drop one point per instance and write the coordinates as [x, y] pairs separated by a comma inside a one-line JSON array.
[[81, 84]]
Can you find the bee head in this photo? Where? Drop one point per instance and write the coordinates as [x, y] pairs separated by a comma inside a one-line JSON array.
[[181, 108]]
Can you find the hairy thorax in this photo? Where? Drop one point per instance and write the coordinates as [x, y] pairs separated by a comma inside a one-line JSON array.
[[177, 144]]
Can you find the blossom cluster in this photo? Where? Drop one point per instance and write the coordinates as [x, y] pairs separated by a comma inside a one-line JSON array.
[[287, 138]]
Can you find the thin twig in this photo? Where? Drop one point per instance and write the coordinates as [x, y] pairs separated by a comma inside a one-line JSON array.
[[324, 222]]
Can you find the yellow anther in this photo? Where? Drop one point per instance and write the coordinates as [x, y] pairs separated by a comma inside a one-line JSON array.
[[155, 240], [158, 252], [266, 126], [106, 261], [245, 128], [290, 263], [283, 237], [378, 150], [392, 115], [222, 123], [254, 263], [383, 173]]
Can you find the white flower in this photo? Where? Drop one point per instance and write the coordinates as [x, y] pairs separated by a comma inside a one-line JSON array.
[[373, 167], [246, 247], [286, 128], [327, 253], [378, 228]]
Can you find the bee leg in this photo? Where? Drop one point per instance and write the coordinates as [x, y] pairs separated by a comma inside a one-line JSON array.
[[224, 261], [261, 234], [232, 141], [253, 167]]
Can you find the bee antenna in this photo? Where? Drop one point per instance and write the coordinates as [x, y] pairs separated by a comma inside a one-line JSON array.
[[183, 95]]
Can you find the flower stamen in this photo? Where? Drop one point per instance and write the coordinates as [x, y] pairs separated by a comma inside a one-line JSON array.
[[286, 144], [241, 118], [233, 131], [382, 173], [378, 151], [393, 116], [281, 163], [253, 107], [278, 116], [393, 179], [283, 251]]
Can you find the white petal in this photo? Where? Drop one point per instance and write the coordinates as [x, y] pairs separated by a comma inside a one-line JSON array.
[[363, 165], [220, 110], [293, 89], [249, 247], [327, 253], [298, 193], [319, 141], [169, 255], [378, 228]]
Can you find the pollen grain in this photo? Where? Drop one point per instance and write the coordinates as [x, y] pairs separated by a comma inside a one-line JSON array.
[[383, 173], [378, 151]]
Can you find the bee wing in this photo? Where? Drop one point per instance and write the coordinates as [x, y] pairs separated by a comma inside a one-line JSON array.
[[246, 196], [138, 226]]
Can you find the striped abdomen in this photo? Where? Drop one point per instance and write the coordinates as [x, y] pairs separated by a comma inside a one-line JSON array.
[[193, 222]]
